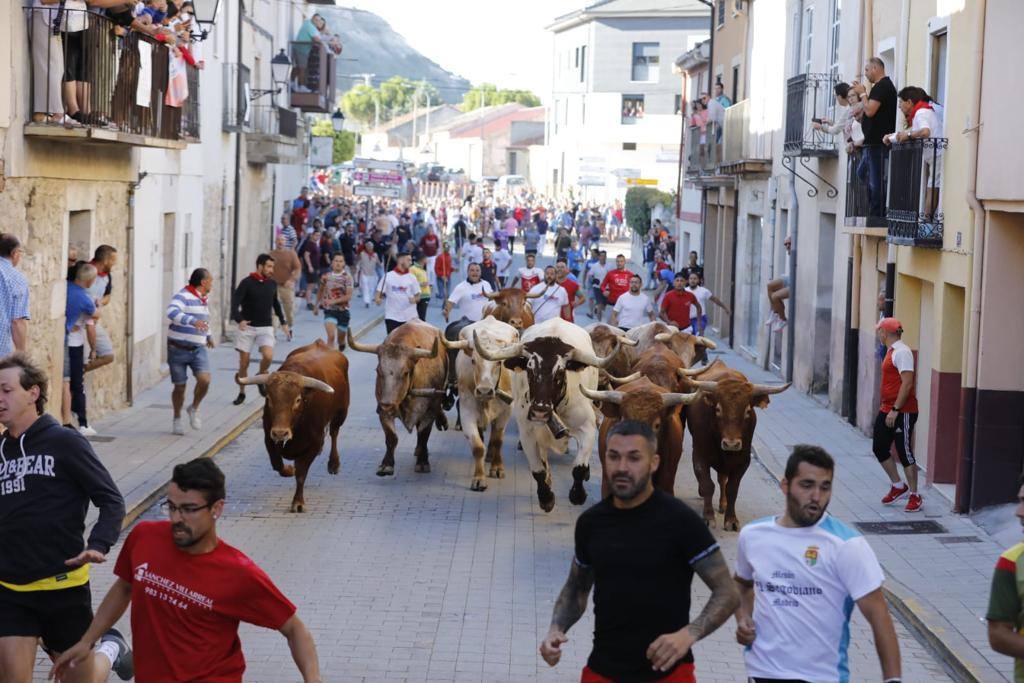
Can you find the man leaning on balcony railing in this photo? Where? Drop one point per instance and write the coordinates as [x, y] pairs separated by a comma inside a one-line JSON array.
[[878, 120], [923, 122]]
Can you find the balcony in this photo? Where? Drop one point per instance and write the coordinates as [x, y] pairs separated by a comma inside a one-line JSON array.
[[744, 153], [859, 210], [915, 192], [275, 135], [313, 77], [703, 151], [808, 97], [134, 90]]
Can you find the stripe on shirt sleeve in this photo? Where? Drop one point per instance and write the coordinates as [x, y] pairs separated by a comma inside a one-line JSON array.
[[704, 553]]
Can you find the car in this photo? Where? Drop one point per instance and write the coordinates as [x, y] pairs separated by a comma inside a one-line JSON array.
[[509, 183], [454, 175], [430, 172]]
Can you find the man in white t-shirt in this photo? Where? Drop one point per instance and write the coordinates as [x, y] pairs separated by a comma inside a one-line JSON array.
[[552, 300], [469, 295], [799, 575], [593, 276], [529, 275], [632, 308], [703, 295], [400, 291], [472, 252], [503, 263]]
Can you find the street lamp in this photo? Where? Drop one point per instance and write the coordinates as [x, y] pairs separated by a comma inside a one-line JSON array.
[[280, 67], [337, 120], [205, 12]]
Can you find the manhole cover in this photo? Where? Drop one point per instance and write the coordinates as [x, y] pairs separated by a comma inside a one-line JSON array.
[[952, 540], [901, 528], [102, 439]]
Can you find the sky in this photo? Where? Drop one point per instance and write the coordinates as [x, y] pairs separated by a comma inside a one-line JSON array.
[[497, 42]]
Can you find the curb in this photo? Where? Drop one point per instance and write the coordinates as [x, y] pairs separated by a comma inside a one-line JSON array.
[[906, 605], [136, 510]]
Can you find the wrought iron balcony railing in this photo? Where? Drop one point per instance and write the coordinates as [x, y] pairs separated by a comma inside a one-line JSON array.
[[312, 83], [863, 209], [915, 192], [809, 97]]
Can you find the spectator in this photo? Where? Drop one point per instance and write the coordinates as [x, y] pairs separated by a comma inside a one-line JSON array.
[[310, 256], [650, 258], [48, 65], [71, 21], [715, 114], [253, 306], [287, 230], [367, 268], [721, 97], [778, 292], [14, 297], [79, 310], [443, 271], [188, 338], [104, 258], [347, 244], [336, 289], [286, 274], [503, 262], [879, 119], [300, 210], [306, 59], [419, 269], [429, 244], [692, 267], [922, 123]]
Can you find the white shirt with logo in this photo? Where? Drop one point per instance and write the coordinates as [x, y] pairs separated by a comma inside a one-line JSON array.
[[397, 288], [806, 581], [470, 299], [503, 262], [549, 304], [703, 295], [633, 309]]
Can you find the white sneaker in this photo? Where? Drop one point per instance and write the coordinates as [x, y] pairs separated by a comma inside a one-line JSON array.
[[177, 427], [778, 324], [770, 322], [87, 431], [193, 417]]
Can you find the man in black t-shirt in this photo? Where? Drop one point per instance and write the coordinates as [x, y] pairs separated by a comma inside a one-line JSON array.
[[639, 549], [878, 121]]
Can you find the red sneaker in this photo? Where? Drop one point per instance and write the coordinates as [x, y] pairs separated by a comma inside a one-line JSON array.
[[895, 493], [914, 503]]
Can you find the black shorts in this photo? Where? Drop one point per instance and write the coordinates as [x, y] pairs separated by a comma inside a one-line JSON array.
[[59, 617], [901, 434], [339, 318], [74, 56]]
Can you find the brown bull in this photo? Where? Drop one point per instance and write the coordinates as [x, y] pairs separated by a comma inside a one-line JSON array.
[[722, 422], [510, 306], [691, 348], [309, 392], [411, 376], [607, 340]]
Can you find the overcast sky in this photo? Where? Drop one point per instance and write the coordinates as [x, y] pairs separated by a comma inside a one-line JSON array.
[[499, 42]]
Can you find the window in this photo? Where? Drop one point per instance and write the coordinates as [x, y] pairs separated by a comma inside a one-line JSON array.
[[628, 146], [721, 12], [583, 63], [808, 38], [645, 62], [938, 68], [678, 106], [736, 84], [738, 7], [577, 58], [632, 108], [833, 39]]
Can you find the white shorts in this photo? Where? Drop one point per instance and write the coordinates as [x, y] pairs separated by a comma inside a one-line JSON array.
[[256, 337]]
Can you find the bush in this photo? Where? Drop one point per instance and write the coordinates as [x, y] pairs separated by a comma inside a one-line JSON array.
[[638, 205]]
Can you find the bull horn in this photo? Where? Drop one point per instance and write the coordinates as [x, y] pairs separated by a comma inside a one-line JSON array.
[[707, 343], [491, 295], [628, 341], [609, 396], [664, 337], [538, 295], [706, 385], [504, 354], [426, 392], [504, 396], [424, 353], [767, 389], [676, 399], [356, 346], [256, 379], [625, 380], [456, 345], [592, 359], [690, 372], [310, 383]]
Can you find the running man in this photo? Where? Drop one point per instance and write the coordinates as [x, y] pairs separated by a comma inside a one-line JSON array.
[[897, 415], [189, 590], [48, 478], [529, 275], [633, 308], [188, 337], [593, 276], [252, 307], [551, 300], [571, 287], [399, 290], [699, 311], [642, 627], [679, 304], [333, 298], [469, 295], [799, 575], [1006, 600], [616, 281]]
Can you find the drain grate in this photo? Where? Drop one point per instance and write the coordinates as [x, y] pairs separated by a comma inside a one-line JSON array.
[[901, 528], [953, 540]]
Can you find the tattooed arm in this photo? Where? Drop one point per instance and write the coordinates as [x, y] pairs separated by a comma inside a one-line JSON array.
[[570, 606], [671, 647]]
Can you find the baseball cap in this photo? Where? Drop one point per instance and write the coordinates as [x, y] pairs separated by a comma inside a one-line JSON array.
[[889, 325]]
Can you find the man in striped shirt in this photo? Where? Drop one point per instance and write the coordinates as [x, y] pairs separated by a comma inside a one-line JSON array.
[[187, 340], [285, 230]]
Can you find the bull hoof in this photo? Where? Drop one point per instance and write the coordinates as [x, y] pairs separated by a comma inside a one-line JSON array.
[[423, 467], [711, 522], [386, 471], [731, 524], [577, 494], [333, 466], [497, 472], [519, 445], [286, 471], [442, 423], [488, 458], [547, 503], [478, 485], [298, 506]]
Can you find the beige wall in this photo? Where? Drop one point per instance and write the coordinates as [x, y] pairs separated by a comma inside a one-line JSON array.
[[1001, 166], [730, 43]]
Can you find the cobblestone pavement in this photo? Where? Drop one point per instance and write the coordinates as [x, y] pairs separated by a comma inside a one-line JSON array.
[[416, 578]]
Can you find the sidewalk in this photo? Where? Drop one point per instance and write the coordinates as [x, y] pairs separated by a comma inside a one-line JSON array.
[[136, 444], [939, 582]]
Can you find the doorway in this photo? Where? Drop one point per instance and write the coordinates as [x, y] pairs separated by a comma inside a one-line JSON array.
[[822, 344], [752, 285]]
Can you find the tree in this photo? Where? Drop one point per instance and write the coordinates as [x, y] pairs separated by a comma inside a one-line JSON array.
[[361, 103], [488, 94], [637, 207], [396, 96], [344, 147]]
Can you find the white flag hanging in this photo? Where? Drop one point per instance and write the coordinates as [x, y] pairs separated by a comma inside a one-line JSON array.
[[144, 91]]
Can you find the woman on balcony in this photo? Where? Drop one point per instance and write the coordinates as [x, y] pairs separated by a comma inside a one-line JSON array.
[[922, 123]]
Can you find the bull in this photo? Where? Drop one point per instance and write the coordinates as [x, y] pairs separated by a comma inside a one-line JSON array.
[[606, 339], [511, 306], [551, 362], [691, 348], [306, 395], [411, 374]]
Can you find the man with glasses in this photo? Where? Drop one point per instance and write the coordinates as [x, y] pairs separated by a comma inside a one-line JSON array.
[[13, 297], [189, 590]]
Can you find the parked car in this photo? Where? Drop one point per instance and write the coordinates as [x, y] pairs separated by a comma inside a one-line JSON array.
[[430, 172], [454, 175], [509, 183]]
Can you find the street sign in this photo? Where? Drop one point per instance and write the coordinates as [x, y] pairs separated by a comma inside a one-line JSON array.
[[321, 151], [378, 165], [385, 178], [373, 191], [641, 181]]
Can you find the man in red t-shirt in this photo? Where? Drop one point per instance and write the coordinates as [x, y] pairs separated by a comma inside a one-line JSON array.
[[189, 591], [897, 415], [571, 287], [675, 305], [616, 282]]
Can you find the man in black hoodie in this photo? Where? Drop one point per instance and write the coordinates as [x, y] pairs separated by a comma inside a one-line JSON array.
[[48, 476]]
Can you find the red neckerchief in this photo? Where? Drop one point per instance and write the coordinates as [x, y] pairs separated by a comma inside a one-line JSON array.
[[99, 273], [917, 107], [196, 294], [258, 278], [400, 271]]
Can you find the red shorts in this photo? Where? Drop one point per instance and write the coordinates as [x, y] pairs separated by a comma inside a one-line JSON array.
[[684, 673]]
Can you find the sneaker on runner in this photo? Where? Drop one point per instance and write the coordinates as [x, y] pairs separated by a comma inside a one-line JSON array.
[[240, 399], [770, 322], [193, 417], [914, 503], [177, 427], [124, 665], [87, 431], [895, 493]]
